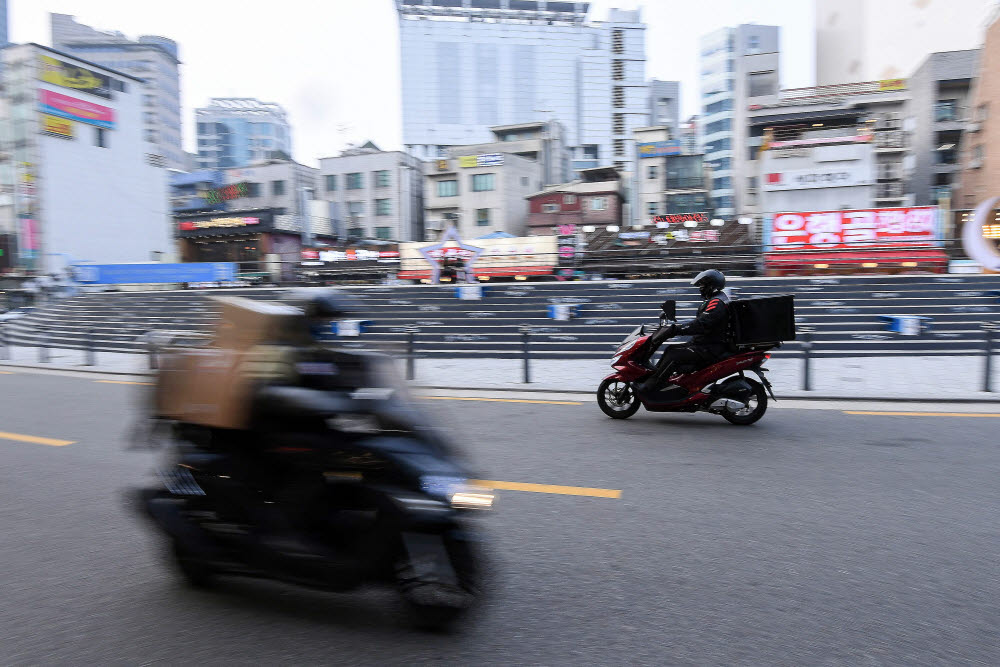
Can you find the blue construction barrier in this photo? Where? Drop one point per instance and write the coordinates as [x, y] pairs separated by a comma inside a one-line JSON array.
[[907, 325]]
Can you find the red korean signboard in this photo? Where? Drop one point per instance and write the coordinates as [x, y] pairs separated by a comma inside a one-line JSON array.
[[872, 228]]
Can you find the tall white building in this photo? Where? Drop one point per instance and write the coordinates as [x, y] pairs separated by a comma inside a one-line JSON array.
[[150, 58], [468, 65], [82, 182], [870, 40], [736, 64], [236, 132]]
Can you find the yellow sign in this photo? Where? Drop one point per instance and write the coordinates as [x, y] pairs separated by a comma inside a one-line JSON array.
[[59, 127], [465, 161], [442, 165], [991, 231], [67, 75], [892, 84]]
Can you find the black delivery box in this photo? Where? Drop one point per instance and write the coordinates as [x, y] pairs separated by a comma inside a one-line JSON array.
[[764, 319]]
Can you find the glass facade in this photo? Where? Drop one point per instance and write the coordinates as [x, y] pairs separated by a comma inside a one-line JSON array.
[[240, 132]]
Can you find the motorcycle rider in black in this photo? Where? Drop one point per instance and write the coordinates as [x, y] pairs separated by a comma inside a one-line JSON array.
[[708, 329]]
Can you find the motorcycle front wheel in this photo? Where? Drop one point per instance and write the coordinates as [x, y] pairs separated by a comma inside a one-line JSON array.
[[617, 399]]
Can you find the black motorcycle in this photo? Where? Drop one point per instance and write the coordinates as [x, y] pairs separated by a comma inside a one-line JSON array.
[[363, 492]]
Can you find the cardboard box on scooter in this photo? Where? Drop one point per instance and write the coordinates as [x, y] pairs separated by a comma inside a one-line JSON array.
[[253, 342]]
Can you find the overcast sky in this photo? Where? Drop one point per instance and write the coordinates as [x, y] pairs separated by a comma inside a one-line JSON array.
[[334, 64]]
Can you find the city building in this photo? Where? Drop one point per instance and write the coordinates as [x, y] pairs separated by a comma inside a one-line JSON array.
[[668, 182], [939, 113], [828, 148], [544, 142], [237, 132], [470, 65], [280, 185], [151, 58], [596, 199], [374, 194], [196, 190], [736, 64], [665, 105], [980, 146], [481, 194], [82, 182], [862, 40], [690, 136]]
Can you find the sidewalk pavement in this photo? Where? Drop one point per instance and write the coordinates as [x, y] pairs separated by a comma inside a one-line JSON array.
[[932, 378]]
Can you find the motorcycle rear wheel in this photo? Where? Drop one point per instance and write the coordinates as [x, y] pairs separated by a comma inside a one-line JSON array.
[[617, 399], [756, 407]]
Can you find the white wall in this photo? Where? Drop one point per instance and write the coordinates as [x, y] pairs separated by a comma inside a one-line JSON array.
[[104, 205]]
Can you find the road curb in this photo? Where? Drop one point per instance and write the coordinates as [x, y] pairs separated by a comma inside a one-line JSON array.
[[797, 396]]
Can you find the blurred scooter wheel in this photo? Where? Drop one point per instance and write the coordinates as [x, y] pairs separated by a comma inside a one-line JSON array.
[[617, 399]]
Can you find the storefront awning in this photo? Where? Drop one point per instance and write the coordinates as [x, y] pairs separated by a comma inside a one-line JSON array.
[[888, 257]]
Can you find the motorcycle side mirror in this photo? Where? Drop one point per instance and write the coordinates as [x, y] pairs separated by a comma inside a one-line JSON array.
[[669, 309]]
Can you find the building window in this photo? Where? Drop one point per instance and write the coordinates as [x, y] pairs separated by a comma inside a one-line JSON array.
[[148, 117], [383, 233], [569, 199], [354, 181], [331, 182], [382, 179], [383, 207], [355, 209], [524, 181], [150, 101], [946, 110], [651, 172], [550, 208], [277, 188], [150, 135], [119, 85], [482, 217], [253, 189], [618, 41], [355, 232], [483, 183], [978, 153], [447, 188], [599, 204], [753, 43], [100, 137], [652, 208]]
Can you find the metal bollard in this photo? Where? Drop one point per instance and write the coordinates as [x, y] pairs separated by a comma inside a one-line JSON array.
[[807, 343], [988, 329], [525, 336], [43, 347], [89, 353], [153, 362], [411, 345]]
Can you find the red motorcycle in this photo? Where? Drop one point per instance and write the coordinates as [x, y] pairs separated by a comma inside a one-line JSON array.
[[723, 388]]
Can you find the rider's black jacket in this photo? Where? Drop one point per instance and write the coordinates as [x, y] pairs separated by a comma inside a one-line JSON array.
[[710, 327]]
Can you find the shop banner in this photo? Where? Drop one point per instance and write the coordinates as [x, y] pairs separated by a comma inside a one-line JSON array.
[[60, 73], [192, 225], [142, 274], [58, 127], [659, 148], [807, 179], [71, 108], [874, 228]]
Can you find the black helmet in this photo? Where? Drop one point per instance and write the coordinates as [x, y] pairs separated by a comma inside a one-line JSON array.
[[709, 282], [322, 303]]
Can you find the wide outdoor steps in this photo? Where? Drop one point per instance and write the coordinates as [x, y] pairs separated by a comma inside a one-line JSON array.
[[844, 312]]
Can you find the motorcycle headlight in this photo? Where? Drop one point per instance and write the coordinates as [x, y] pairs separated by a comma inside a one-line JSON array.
[[459, 493]]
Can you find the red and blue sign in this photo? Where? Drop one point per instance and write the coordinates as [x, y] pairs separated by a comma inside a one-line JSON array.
[[71, 108]]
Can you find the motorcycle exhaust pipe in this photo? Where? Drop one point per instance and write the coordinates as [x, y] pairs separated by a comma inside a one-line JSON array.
[[727, 404]]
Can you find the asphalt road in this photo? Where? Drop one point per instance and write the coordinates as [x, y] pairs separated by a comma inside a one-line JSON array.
[[814, 538]]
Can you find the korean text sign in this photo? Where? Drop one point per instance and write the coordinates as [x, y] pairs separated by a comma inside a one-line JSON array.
[[878, 228], [71, 108]]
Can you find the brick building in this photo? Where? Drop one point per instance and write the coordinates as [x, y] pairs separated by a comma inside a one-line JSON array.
[[594, 200], [980, 148]]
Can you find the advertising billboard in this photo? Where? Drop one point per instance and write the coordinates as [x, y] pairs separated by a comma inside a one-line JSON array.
[[67, 75], [872, 228], [141, 274], [71, 108], [488, 160], [211, 223], [58, 127], [842, 176], [659, 148], [524, 255]]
